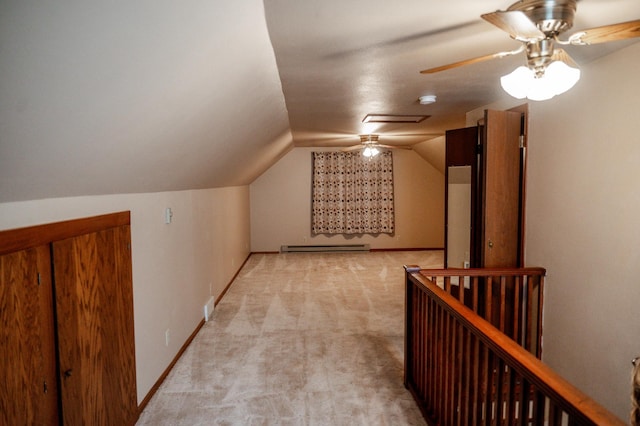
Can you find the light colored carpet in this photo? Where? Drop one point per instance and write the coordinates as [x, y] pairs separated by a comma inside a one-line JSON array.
[[299, 339]]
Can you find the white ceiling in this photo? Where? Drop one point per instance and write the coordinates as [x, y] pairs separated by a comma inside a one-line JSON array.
[[157, 95]]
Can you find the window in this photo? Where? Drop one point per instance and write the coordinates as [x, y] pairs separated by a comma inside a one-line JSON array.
[[352, 194]]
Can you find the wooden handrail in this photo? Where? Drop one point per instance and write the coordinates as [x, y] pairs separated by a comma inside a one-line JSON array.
[[474, 374], [482, 272]]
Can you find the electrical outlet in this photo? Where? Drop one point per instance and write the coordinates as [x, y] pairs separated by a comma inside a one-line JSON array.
[[166, 337]]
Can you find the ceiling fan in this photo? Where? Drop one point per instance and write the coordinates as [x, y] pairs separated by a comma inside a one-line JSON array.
[[538, 24], [370, 146]]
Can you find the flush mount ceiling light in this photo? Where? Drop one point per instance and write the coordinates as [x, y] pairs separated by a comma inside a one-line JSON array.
[[538, 24], [427, 99], [370, 143], [370, 146]]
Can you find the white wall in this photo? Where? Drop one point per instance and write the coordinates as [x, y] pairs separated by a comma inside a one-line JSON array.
[[583, 225], [176, 267], [459, 212], [281, 205]]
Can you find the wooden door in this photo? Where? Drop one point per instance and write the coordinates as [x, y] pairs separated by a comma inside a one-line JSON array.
[[94, 303], [501, 193], [28, 389]]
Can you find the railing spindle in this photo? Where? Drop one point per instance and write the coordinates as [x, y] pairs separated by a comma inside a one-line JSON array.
[[503, 303], [474, 292], [517, 329], [488, 310], [531, 318], [431, 354], [540, 287]]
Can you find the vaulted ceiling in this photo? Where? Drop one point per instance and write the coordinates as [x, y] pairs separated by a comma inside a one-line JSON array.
[[146, 96]]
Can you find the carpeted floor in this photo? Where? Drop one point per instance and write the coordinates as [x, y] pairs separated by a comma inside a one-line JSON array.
[[299, 339]]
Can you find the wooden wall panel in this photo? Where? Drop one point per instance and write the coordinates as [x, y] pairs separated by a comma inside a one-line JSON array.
[[28, 390], [95, 328]]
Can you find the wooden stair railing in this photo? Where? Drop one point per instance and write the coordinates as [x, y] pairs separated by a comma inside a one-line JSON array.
[[509, 298], [462, 370]]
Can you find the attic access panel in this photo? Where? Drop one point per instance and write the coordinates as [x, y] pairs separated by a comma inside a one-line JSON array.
[[394, 118]]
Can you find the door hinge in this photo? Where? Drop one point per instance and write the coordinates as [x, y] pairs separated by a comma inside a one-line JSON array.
[[521, 141]]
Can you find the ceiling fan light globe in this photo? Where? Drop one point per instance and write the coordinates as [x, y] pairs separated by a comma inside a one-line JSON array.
[[557, 78], [561, 77], [370, 151], [517, 82], [540, 89]]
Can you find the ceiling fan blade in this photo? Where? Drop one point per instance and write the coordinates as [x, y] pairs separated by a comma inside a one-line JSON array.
[[473, 61], [458, 64], [621, 31], [353, 148], [562, 55], [516, 23]]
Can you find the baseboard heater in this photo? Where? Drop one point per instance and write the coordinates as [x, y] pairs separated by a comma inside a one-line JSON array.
[[325, 248]]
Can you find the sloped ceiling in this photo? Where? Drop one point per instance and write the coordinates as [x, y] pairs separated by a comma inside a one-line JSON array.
[[144, 96], [135, 96]]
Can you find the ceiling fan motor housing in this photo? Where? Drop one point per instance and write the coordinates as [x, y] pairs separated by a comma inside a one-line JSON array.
[[552, 17], [539, 55]]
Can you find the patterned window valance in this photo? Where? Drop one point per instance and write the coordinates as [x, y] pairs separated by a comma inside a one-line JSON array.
[[352, 194]]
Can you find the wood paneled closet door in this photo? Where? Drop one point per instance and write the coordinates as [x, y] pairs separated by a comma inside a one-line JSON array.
[[501, 189], [28, 390], [93, 285]]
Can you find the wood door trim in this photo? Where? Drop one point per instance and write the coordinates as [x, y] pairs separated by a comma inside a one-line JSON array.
[[32, 236], [524, 110]]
